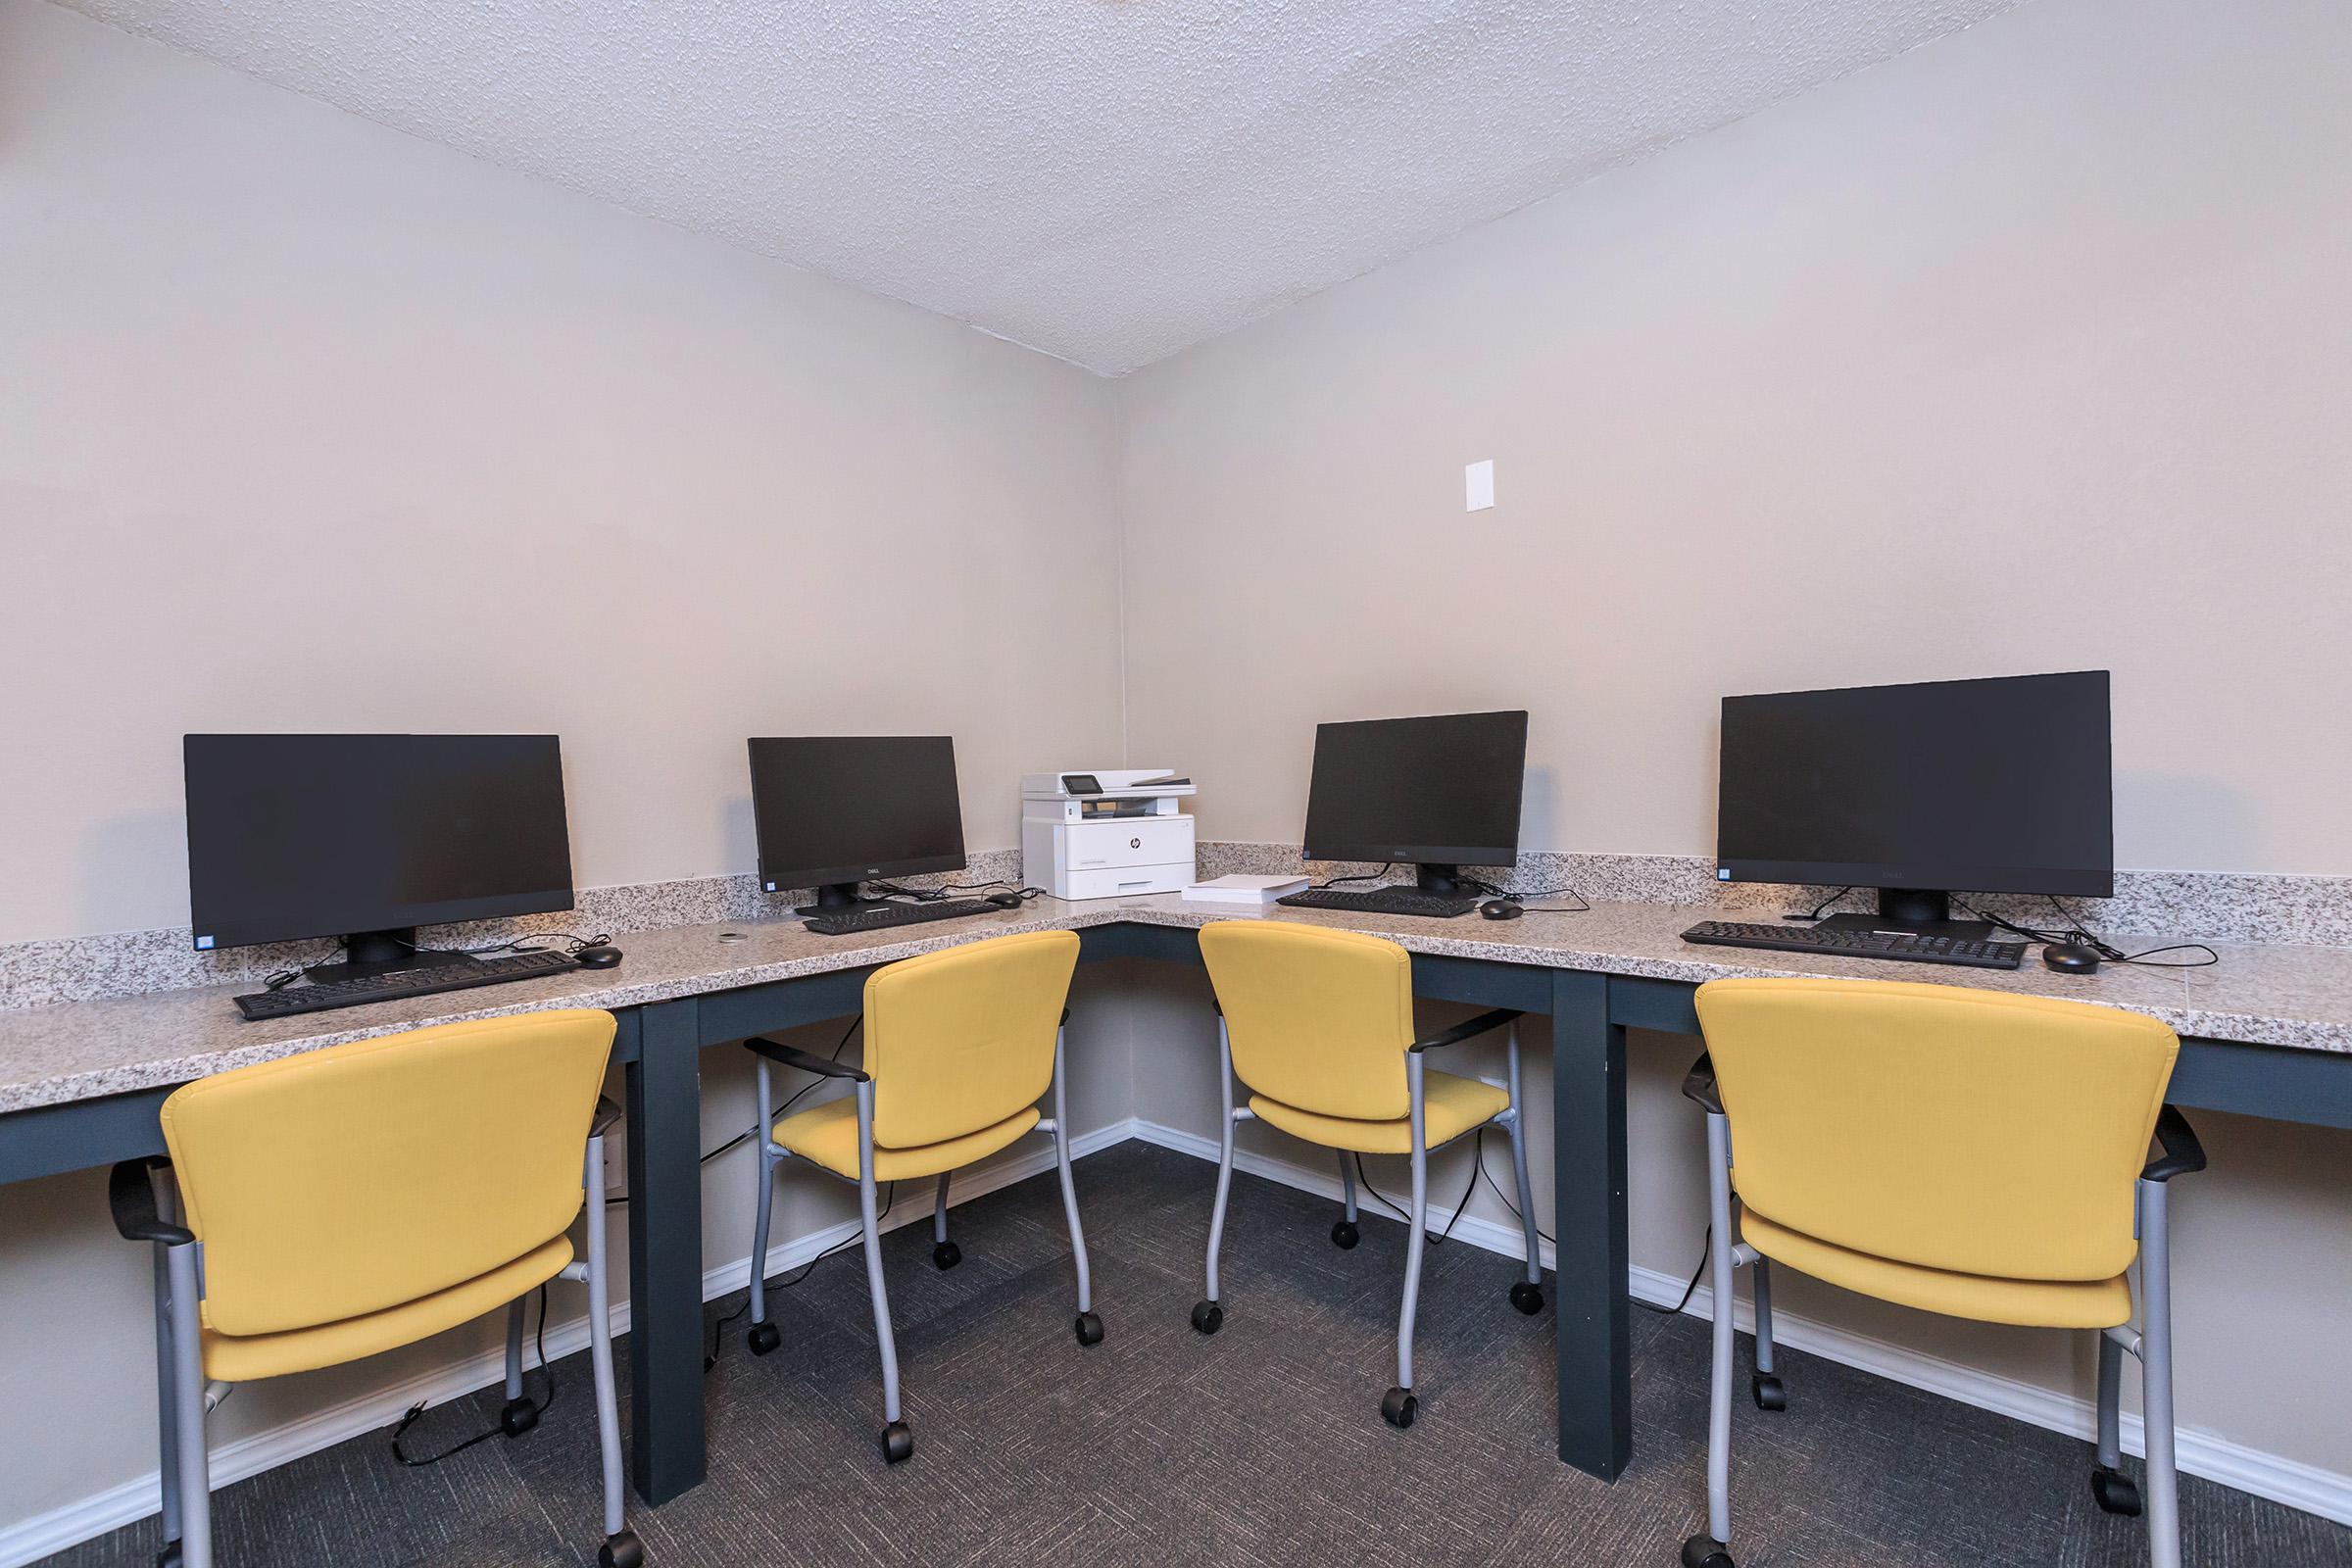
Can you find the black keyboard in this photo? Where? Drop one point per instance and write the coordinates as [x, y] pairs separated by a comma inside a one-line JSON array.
[[401, 983], [1859, 944], [1384, 901], [882, 916]]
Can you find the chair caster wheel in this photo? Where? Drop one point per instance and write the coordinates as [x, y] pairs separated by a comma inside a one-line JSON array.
[[1345, 1235], [898, 1444], [1088, 1327], [1768, 1392], [763, 1338], [2116, 1491], [946, 1256], [169, 1557], [516, 1417], [1706, 1551], [1528, 1299], [623, 1550], [1397, 1407], [1209, 1317]]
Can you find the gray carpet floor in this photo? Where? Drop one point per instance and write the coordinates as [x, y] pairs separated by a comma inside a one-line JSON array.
[[1262, 1445]]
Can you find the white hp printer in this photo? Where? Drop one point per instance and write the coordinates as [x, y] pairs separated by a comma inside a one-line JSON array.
[[1103, 834]]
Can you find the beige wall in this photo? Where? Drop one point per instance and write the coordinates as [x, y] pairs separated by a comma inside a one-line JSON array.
[[306, 424], [2028, 350], [273, 381]]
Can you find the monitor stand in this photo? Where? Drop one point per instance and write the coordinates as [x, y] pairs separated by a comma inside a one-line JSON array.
[[1914, 912], [838, 898], [373, 953], [1436, 876]]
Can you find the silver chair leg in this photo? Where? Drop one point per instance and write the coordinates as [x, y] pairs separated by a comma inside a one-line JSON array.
[[1769, 1391], [1399, 1405], [1207, 1316], [620, 1546], [2110, 1399], [515, 1350], [2156, 1376], [1530, 1300], [166, 1424], [186, 1410], [897, 1441], [1344, 1232], [1720, 1273], [1089, 1326], [762, 1336]]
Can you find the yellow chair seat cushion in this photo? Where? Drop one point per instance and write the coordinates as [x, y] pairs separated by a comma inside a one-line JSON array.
[[1451, 1107], [827, 1133], [244, 1357], [2033, 1303]]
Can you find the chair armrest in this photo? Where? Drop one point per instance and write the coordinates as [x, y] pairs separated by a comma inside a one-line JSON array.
[[1699, 1084], [1466, 1029], [805, 1060], [1065, 1017], [2183, 1152], [132, 1197]]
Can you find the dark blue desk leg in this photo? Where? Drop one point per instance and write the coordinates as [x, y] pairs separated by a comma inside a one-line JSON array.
[[666, 1255], [1588, 1162]]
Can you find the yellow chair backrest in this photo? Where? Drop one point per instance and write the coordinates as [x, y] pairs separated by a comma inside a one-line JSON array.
[[1955, 1129], [1317, 1019], [960, 1039], [361, 1176]]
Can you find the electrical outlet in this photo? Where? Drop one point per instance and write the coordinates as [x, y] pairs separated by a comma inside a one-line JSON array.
[[617, 1162], [1478, 485]]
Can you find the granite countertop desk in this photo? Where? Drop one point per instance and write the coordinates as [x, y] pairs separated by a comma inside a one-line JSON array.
[[2268, 1032]]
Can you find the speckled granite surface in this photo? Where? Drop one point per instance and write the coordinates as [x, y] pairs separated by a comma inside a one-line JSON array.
[[2304, 911], [2299, 997], [130, 963]]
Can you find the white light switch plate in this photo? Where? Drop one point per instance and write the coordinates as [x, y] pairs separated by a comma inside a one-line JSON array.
[[1478, 485]]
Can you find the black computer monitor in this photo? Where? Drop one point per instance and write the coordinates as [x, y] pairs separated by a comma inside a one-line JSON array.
[[1441, 792], [835, 810], [368, 837], [1981, 786]]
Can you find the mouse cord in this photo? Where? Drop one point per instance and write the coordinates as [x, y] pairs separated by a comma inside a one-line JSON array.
[[2075, 931], [1583, 905]]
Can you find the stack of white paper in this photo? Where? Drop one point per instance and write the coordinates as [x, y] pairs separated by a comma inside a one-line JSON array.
[[1258, 890]]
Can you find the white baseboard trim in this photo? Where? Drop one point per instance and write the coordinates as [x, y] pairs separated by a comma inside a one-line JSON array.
[[2325, 1493], [33, 1538]]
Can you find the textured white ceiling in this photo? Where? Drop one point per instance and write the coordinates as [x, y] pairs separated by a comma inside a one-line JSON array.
[[1108, 180]]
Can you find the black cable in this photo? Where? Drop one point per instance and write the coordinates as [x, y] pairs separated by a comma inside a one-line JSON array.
[[1821, 908], [781, 1282], [2074, 931], [1687, 1291], [839, 1046], [1446, 1234], [546, 1402], [1583, 905], [1676, 1310], [1386, 867]]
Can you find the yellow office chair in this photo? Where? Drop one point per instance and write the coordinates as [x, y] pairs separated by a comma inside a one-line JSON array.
[[1318, 1026], [345, 1202], [960, 1044], [1968, 1152]]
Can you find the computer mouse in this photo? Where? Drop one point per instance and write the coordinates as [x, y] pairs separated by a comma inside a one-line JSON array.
[[598, 958], [1500, 909], [1006, 901], [2070, 957]]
